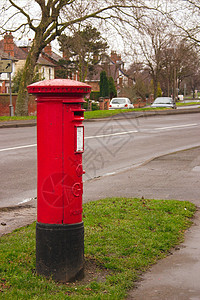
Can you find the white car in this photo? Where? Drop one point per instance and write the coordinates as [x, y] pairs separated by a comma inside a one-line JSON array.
[[120, 103], [164, 102]]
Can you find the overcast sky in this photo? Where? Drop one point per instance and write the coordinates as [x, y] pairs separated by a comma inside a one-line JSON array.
[[115, 40]]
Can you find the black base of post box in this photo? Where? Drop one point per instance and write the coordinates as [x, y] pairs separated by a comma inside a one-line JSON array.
[[60, 251]]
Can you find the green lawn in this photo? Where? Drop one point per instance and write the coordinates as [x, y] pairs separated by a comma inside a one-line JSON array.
[[96, 114], [187, 103], [7, 118], [123, 237]]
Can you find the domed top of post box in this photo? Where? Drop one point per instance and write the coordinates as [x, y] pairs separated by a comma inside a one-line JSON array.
[[59, 86]]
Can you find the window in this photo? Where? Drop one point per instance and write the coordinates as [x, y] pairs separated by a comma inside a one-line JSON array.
[[50, 72], [43, 72]]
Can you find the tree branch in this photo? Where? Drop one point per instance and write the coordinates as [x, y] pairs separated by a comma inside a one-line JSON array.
[[25, 14]]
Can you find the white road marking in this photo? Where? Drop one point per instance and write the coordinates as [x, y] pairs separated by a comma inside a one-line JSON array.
[[18, 147], [111, 134], [104, 135], [25, 201], [88, 137], [176, 126], [111, 173]]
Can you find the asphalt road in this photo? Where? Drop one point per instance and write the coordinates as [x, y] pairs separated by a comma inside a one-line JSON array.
[[111, 147]]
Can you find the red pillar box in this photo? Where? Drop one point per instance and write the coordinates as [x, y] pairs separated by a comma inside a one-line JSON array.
[[60, 144]]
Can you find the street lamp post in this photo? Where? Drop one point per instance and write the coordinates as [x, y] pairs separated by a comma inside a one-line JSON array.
[[175, 85], [10, 90], [175, 81]]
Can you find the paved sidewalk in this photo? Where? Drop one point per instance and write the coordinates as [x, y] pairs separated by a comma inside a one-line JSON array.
[[176, 277], [12, 218]]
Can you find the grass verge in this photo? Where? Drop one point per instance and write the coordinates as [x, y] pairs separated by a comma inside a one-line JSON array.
[[15, 118], [96, 114], [187, 103], [123, 237]]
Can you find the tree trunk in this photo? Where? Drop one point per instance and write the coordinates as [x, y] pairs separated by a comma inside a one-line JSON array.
[[193, 93], [155, 86], [27, 77]]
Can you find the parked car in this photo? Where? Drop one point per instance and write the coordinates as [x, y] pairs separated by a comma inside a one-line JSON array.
[[120, 103], [167, 102]]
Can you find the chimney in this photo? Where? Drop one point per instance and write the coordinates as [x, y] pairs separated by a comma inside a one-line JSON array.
[[9, 44], [119, 58], [48, 50], [114, 56], [65, 55]]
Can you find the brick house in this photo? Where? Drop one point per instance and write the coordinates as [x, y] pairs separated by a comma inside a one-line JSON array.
[[18, 55], [114, 67], [4, 77], [70, 71]]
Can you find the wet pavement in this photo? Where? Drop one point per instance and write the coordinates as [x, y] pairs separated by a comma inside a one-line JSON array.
[[177, 277]]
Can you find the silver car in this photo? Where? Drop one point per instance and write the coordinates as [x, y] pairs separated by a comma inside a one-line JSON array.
[[167, 102], [120, 103]]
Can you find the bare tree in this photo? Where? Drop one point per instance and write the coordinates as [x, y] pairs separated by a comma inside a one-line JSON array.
[[140, 79], [154, 37], [47, 19], [179, 63], [186, 17], [170, 61]]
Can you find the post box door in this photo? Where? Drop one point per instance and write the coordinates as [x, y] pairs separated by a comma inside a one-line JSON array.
[[73, 146], [50, 163]]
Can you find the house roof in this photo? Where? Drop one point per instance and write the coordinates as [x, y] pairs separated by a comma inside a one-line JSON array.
[[112, 70], [44, 62], [54, 56], [4, 55], [113, 65], [20, 53]]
